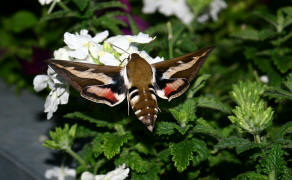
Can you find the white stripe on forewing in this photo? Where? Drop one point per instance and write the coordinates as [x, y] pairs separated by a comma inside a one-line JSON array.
[[88, 74], [181, 67]]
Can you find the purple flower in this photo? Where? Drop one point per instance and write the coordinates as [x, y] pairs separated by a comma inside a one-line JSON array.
[[37, 65], [141, 24]]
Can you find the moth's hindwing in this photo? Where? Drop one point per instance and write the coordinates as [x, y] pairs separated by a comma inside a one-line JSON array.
[[101, 84], [174, 76]]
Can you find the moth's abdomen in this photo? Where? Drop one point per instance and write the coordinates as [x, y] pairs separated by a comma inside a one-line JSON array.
[[144, 104]]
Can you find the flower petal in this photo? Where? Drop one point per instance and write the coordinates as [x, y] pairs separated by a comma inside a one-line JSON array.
[[109, 59], [40, 82], [100, 36]]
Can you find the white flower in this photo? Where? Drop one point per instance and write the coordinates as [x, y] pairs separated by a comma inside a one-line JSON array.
[[57, 96], [45, 2], [264, 79], [62, 53], [178, 8], [119, 173], [59, 90], [59, 173], [82, 44], [127, 43], [215, 7]]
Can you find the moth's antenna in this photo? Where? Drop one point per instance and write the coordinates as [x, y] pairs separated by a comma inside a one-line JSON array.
[[119, 48], [148, 44]]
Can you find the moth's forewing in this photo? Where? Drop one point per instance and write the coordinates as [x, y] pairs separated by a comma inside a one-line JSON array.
[[101, 84], [174, 76]]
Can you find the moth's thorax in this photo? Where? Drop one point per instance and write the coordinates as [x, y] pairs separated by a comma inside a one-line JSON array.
[[139, 71]]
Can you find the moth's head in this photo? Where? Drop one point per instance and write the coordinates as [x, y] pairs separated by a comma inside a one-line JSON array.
[[134, 56]]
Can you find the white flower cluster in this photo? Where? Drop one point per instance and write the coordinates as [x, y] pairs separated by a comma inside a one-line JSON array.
[[181, 9], [46, 2], [119, 173], [82, 47], [59, 173], [215, 7]]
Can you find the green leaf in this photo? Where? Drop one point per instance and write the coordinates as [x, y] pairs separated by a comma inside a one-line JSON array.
[[282, 131], [182, 153], [185, 112], [253, 34], [133, 25], [113, 143], [199, 83], [21, 20], [273, 164], [165, 128], [60, 14], [283, 62], [134, 161], [81, 4], [107, 23], [278, 93], [251, 176], [213, 103], [62, 138], [152, 173], [109, 4], [240, 144], [288, 82], [82, 116], [202, 126], [252, 114]]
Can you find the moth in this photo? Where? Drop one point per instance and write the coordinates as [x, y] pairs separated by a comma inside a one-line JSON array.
[[139, 81]]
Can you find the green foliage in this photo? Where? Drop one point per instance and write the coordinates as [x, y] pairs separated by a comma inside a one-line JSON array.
[[184, 112], [273, 164], [62, 139], [182, 153], [201, 135], [112, 144], [251, 114]]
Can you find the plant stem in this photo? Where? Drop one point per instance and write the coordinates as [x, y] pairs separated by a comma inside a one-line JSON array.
[[98, 165], [76, 156], [63, 6], [257, 138], [170, 40]]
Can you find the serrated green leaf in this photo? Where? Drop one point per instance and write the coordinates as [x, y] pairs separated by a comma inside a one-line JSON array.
[[62, 138], [82, 116], [273, 164], [185, 112], [203, 127], [152, 173], [251, 176], [81, 4], [213, 103], [240, 144], [112, 144], [165, 128], [134, 161], [182, 153]]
